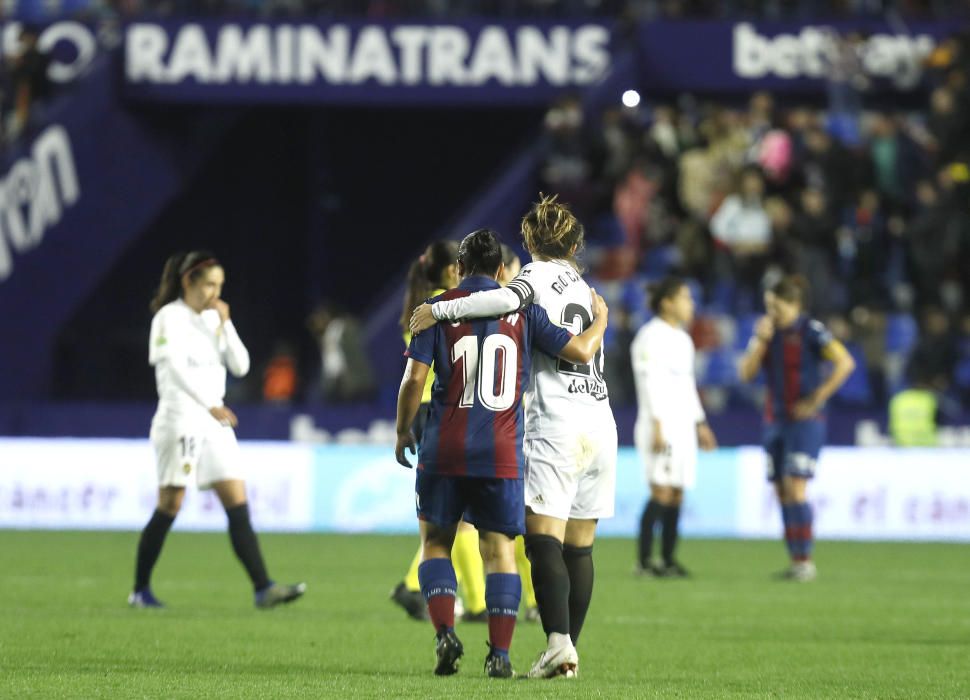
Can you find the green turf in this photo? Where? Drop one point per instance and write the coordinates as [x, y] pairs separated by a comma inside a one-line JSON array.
[[882, 621]]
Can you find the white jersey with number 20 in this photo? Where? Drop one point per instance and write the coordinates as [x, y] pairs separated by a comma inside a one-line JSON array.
[[562, 397]]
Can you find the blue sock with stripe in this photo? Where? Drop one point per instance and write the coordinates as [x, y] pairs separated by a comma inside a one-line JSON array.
[[439, 585], [788, 517], [502, 595]]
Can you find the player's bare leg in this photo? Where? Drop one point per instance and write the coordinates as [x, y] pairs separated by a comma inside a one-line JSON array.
[[232, 495], [150, 545], [550, 576], [439, 586], [797, 516]]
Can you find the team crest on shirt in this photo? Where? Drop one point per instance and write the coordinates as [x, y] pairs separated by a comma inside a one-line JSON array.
[[187, 468]]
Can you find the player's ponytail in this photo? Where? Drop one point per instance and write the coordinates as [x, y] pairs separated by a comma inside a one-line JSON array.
[[551, 231], [178, 265], [666, 288], [425, 275]]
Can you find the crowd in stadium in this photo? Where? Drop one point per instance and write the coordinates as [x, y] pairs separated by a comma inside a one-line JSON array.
[[867, 204], [641, 9]]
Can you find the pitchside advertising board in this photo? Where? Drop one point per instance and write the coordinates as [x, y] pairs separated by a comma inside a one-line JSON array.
[[860, 494], [357, 62]]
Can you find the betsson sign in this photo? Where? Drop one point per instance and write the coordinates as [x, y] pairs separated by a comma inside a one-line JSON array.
[[261, 57]]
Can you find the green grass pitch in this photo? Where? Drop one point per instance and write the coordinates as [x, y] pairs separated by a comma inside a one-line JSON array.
[[882, 621]]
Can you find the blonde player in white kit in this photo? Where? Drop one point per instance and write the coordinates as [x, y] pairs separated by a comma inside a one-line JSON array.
[[570, 435], [670, 421], [191, 345]]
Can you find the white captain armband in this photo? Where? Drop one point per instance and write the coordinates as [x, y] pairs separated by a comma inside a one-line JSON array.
[[523, 290]]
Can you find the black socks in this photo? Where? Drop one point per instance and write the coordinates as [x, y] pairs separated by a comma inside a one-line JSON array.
[[671, 519], [246, 546], [651, 514], [550, 578], [579, 563], [150, 546]]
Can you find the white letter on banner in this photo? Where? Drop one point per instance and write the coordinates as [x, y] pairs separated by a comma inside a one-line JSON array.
[[240, 58], [145, 45], [786, 53], [492, 58], [191, 56], [55, 164], [814, 47], [6, 260], [411, 41], [284, 54], [372, 58], [446, 56], [317, 57], [750, 52], [539, 55], [80, 37], [18, 191], [591, 53]]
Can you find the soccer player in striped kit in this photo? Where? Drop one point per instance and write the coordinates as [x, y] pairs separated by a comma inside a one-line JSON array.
[[570, 437], [471, 463], [792, 349]]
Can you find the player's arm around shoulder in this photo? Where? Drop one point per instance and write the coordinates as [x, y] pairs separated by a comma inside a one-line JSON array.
[[582, 348]]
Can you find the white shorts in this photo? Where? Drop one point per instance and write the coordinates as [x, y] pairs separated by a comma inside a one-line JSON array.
[[572, 476], [186, 453], [676, 468]]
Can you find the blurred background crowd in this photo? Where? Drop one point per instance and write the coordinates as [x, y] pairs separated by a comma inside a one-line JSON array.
[[866, 194]]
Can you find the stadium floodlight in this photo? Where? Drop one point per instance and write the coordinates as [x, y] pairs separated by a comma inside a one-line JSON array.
[[631, 98]]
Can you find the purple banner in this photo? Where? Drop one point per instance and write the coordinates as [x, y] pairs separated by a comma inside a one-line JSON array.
[[785, 56], [359, 62]]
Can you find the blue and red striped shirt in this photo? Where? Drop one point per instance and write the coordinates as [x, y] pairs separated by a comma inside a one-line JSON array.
[[476, 423], [793, 366]]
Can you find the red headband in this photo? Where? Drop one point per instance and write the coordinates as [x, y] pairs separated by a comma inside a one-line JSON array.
[[208, 262]]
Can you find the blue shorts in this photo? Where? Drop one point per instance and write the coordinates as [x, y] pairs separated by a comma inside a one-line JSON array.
[[793, 448], [493, 505]]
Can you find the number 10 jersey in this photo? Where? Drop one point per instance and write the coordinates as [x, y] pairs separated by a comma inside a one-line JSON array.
[[483, 367]]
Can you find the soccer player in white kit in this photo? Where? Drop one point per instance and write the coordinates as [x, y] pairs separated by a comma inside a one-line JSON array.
[[670, 420], [191, 345], [570, 439]]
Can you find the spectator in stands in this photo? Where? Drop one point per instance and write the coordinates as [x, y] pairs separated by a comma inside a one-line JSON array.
[[863, 249], [742, 231], [816, 256], [280, 378], [913, 415], [829, 167], [346, 374], [29, 81], [569, 156], [935, 355], [932, 240]]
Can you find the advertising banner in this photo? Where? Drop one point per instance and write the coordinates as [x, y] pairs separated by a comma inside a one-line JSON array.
[[362, 62], [859, 494], [724, 57]]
